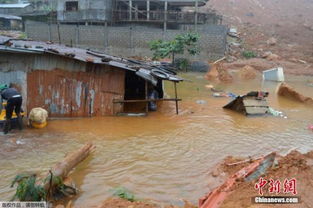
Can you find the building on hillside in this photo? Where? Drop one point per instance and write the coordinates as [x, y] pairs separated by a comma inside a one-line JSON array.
[[169, 13], [10, 22], [73, 82], [16, 9]]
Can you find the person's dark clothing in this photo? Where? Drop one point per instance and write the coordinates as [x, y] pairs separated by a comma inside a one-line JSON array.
[[14, 103], [8, 93]]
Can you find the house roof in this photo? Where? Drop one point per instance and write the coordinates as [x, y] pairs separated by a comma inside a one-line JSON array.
[[4, 39], [12, 17], [20, 5], [150, 71]]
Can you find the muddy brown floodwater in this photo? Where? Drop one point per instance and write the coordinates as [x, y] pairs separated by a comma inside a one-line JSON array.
[[162, 157]]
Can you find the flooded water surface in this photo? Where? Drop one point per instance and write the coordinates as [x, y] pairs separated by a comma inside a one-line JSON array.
[[162, 157]]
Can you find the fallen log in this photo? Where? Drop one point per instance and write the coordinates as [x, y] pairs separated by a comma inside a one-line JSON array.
[[287, 91], [34, 190], [63, 168]]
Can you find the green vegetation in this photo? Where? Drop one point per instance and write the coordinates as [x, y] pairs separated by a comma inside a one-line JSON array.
[[124, 193], [248, 54], [179, 45], [27, 189], [23, 36], [182, 63], [31, 189]]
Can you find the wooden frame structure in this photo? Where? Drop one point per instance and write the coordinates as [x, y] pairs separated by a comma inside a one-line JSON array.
[[147, 100], [162, 11]]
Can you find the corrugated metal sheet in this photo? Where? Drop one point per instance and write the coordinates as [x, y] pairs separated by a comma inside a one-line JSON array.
[[10, 17], [73, 94], [248, 105], [85, 56], [4, 39], [20, 5]]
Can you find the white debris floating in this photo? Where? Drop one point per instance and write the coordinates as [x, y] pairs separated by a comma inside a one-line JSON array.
[[275, 74]]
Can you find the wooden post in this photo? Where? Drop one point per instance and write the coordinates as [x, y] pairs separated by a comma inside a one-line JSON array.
[[176, 99], [130, 10], [136, 12], [50, 22], [50, 33], [106, 34], [146, 92], [165, 16], [77, 35], [148, 9], [59, 35], [196, 15]]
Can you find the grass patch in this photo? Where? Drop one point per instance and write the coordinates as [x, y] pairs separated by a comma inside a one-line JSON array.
[[124, 193], [22, 36], [248, 54]]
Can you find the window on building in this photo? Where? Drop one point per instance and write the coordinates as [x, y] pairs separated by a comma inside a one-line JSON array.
[[71, 6]]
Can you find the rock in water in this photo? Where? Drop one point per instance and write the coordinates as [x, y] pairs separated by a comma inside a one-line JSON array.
[[289, 92]]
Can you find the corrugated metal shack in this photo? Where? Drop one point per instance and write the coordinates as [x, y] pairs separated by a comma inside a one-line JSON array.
[[73, 82], [10, 22]]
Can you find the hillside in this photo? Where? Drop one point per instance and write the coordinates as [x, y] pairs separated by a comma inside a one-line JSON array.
[[289, 21]]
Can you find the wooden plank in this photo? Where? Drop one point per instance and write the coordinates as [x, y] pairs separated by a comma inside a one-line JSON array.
[[146, 100], [176, 102], [146, 92]]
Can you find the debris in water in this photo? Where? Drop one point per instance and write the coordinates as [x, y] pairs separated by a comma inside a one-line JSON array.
[[19, 142], [250, 172], [201, 102], [253, 103], [276, 113], [224, 94], [29, 188], [275, 74]]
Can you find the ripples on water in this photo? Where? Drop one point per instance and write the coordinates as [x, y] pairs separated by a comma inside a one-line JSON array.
[[161, 157]]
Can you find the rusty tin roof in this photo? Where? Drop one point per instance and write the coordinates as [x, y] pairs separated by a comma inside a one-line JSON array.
[[150, 71]]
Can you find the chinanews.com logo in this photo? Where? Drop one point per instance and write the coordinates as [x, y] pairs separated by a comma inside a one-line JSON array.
[[287, 187]]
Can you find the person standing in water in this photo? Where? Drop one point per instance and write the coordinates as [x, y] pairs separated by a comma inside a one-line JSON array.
[[14, 102]]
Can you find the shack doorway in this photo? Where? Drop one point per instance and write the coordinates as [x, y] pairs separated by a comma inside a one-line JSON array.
[[138, 89], [135, 87]]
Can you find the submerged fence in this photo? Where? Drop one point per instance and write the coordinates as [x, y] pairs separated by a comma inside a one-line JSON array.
[[126, 40]]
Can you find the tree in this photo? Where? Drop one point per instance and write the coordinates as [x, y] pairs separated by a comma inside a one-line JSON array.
[[180, 43]]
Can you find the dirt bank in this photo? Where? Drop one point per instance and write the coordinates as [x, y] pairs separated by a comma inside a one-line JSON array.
[[261, 64], [289, 21], [294, 165]]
